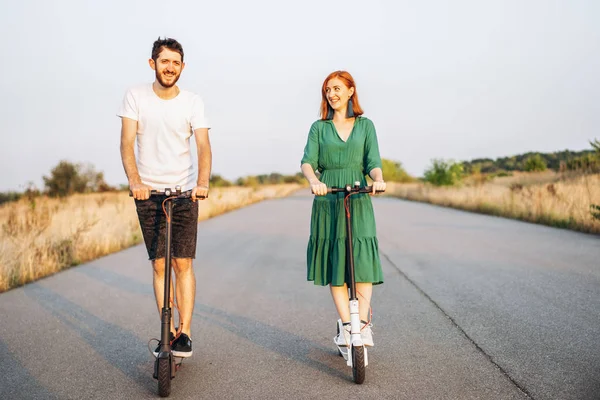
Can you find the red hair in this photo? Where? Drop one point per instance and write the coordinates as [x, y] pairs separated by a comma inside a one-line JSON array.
[[348, 80]]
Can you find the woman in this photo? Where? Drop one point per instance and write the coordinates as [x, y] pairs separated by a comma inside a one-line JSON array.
[[343, 147]]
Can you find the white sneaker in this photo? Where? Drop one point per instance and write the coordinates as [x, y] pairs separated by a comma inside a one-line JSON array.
[[343, 337], [366, 334]]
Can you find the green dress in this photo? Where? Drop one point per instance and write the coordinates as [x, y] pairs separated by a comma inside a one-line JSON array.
[[341, 163]]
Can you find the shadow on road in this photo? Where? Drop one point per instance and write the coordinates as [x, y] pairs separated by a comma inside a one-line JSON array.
[[271, 338], [14, 378], [118, 346]]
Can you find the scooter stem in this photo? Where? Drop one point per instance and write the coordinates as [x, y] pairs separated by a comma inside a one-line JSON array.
[[350, 253], [165, 328], [354, 318]]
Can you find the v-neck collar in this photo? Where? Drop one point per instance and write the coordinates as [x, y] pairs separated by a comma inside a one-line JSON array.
[[351, 130]]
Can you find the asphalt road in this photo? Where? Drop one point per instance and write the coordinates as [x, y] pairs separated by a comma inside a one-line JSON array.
[[473, 307]]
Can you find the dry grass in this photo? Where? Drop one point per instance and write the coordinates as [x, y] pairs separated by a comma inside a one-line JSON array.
[[42, 236], [549, 198]]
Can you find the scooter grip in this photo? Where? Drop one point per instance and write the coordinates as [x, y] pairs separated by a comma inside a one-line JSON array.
[[369, 189], [152, 192], [188, 195]]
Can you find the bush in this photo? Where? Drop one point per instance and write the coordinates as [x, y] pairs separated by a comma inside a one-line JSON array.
[[271, 179], [219, 181], [595, 211], [9, 196], [249, 181], [298, 178], [444, 173], [588, 162]]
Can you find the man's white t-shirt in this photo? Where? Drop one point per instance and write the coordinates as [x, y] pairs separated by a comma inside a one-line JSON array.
[[163, 135]]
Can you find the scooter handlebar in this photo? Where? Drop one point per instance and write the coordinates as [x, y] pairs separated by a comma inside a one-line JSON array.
[[353, 189], [171, 193]]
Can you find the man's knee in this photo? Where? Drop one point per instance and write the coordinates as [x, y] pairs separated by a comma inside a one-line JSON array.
[[182, 264], [158, 265]]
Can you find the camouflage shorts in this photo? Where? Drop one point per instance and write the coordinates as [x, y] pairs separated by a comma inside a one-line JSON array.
[[184, 227]]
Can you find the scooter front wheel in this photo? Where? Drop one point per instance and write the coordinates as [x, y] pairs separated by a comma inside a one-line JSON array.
[[164, 377], [358, 364]]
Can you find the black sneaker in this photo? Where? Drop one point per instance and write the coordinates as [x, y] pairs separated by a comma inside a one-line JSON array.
[[182, 347], [157, 350]]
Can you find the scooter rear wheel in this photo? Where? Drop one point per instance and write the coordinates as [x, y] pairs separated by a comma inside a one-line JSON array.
[[164, 377], [358, 364]]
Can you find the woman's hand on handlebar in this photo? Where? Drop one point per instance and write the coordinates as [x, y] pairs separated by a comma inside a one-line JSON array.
[[318, 188], [140, 191], [199, 193], [378, 186]]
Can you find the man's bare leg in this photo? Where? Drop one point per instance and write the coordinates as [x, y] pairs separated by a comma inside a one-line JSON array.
[[158, 266], [186, 292]]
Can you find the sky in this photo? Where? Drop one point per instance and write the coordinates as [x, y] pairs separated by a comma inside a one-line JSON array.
[[460, 79]]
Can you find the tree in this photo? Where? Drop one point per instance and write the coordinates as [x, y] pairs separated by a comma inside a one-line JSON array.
[[393, 171], [64, 180], [68, 178], [444, 173], [274, 179], [91, 181], [535, 163]]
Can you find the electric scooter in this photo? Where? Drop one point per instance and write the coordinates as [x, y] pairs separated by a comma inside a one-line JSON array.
[[355, 353], [166, 364]]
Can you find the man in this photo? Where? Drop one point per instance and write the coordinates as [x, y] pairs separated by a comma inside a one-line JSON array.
[[163, 118]]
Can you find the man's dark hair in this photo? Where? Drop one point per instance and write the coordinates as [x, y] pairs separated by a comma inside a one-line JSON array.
[[169, 43]]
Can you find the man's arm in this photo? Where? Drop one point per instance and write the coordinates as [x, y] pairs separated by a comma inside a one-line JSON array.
[[204, 163], [128, 133]]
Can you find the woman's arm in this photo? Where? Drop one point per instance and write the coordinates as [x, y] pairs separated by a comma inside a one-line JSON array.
[[317, 187], [376, 174], [378, 183]]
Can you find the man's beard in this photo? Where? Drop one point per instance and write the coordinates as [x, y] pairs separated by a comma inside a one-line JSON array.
[[164, 84]]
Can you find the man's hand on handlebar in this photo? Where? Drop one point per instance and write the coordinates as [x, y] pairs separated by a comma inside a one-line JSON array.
[[318, 188], [140, 191], [378, 186], [199, 193]]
